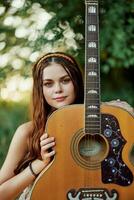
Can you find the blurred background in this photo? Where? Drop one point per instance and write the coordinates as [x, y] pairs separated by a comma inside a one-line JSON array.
[[30, 28]]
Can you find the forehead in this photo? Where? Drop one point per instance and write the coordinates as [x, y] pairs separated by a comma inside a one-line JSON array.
[[54, 71]]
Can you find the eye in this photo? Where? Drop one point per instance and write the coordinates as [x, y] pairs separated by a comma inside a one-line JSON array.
[[48, 84], [66, 80]]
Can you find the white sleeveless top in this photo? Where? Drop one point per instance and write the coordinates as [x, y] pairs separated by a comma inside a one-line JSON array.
[[25, 195]]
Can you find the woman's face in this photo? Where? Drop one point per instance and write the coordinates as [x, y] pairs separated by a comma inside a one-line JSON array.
[[58, 88]]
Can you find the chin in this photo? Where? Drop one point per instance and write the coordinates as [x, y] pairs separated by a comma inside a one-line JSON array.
[[60, 105]]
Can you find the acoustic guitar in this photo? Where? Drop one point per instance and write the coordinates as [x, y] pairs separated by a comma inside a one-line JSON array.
[[94, 142]]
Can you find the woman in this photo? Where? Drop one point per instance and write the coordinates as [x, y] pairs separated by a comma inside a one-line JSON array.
[[57, 81]]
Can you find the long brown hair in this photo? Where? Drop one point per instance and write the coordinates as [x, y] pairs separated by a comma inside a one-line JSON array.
[[40, 108]]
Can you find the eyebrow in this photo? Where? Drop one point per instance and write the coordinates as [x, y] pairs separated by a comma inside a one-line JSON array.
[[60, 78]]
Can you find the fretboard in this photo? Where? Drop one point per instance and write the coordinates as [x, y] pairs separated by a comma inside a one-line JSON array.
[[92, 69]]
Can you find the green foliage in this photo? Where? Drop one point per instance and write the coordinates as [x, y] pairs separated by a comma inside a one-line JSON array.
[[116, 49], [11, 116], [116, 33]]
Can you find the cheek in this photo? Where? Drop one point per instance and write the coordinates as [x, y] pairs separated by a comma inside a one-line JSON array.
[[46, 93], [71, 90]]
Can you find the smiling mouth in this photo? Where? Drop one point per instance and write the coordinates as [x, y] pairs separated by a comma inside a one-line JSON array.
[[60, 98]]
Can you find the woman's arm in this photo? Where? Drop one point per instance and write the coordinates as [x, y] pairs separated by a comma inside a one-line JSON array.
[[122, 104], [14, 186], [10, 184]]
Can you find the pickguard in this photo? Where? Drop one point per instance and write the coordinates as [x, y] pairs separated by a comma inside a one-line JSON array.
[[114, 170]]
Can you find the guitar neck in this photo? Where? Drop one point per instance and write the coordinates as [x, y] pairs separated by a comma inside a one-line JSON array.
[[92, 68]]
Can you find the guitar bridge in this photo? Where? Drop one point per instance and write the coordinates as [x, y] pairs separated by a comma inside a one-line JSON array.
[[92, 194]]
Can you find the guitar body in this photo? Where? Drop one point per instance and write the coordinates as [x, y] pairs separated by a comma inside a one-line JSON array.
[[103, 170]]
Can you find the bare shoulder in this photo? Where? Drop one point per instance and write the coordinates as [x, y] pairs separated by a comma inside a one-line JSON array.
[[20, 138], [25, 128]]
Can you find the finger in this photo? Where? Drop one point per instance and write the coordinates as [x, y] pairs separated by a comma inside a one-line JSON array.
[[44, 136], [50, 154], [46, 141], [47, 146]]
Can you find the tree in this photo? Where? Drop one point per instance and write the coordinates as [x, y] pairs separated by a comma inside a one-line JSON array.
[[65, 31]]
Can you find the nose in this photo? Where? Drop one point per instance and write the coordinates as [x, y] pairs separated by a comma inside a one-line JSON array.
[[58, 88]]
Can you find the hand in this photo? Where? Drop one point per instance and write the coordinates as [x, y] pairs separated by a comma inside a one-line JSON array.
[[47, 143]]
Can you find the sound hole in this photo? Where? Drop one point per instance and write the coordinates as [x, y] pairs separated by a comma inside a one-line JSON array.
[[87, 150], [93, 148], [89, 146]]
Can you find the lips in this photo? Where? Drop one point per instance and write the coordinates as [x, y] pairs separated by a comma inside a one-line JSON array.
[[59, 99]]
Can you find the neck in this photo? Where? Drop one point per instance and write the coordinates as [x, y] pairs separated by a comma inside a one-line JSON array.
[[92, 69]]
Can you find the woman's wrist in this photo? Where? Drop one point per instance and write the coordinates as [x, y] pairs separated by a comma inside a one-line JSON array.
[[37, 166], [32, 171]]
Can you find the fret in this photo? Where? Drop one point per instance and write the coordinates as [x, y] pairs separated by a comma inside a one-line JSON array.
[[95, 98], [93, 21], [92, 52], [98, 123], [92, 36], [94, 111], [92, 58], [93, 122], [94, 128], [92, 91], [89, 113], [92, 96], [94, 86], [91, 82], [89, 50], [90, 101], [92, 67], [92, 79], [90, 132], [92, 114], [92, 41]]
